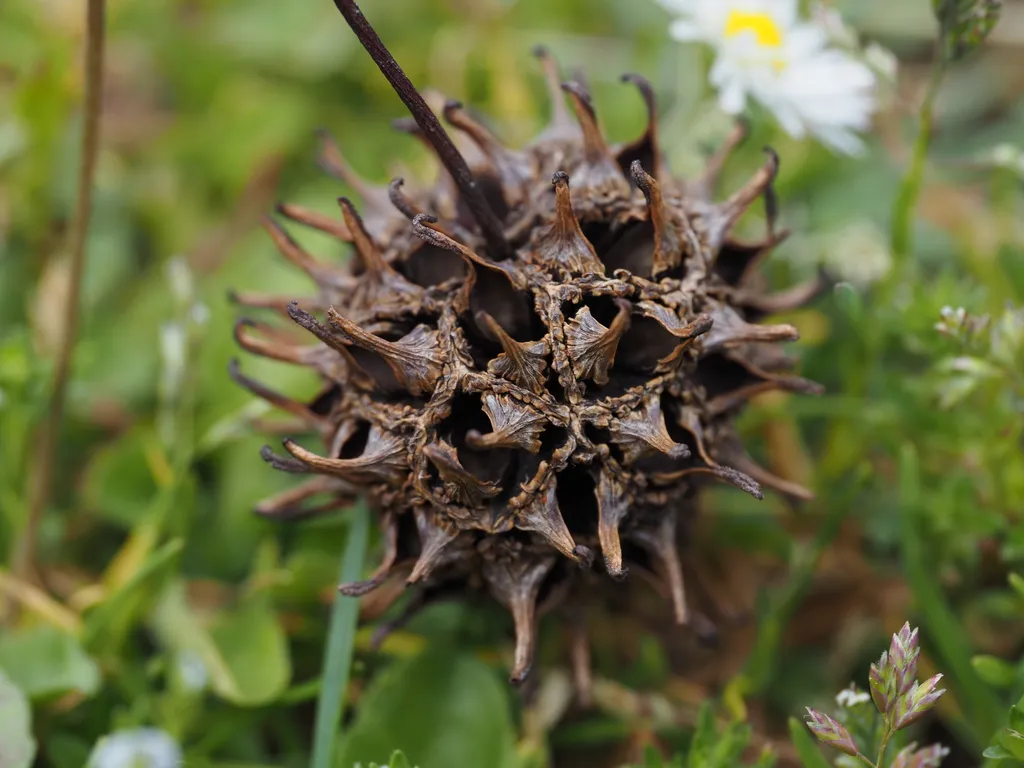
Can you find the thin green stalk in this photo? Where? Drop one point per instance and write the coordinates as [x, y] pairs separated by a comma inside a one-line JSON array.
[[340, 642], [910, 188], [49, 433]]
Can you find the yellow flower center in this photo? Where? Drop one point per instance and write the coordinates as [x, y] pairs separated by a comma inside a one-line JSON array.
[[766, 31]]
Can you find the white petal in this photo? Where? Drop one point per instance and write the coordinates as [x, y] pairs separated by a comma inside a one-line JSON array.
[[685, 31], [732, 97]]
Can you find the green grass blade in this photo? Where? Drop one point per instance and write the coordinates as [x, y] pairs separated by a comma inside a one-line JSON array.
[[940, 625], [340, 642], [805, 745]]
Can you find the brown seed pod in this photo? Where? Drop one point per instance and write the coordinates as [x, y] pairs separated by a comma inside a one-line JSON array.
[[530, 367]]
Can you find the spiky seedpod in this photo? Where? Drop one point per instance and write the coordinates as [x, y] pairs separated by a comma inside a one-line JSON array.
[[533, 363]]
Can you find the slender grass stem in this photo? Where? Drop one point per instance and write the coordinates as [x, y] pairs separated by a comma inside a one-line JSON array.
[[910, 188], [49, 432], [340, 643]]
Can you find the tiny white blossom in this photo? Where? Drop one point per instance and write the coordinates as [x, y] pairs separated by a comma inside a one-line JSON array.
[[851, 697], [138, 748], [767, 53], [192, 671]]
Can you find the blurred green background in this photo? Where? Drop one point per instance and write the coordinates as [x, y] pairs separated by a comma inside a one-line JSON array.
[[156, 598]]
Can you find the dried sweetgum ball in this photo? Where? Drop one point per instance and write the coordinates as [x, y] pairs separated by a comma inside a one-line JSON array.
[[530, 367]]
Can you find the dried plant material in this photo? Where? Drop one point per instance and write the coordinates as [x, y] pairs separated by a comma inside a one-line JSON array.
[[530, 366]]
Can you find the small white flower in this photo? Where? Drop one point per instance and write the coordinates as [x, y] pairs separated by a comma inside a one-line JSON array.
[[851, 697], [767, 53], [138, 748]]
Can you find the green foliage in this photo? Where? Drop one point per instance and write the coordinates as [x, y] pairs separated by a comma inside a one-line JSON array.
[[45, 662], [439, 708], [711, 747], [161, 600], [19, 748]]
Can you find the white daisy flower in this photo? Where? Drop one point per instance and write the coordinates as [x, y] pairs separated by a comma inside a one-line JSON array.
[[766, 52]]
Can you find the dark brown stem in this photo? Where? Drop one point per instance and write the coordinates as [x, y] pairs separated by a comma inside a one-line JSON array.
[[450, 157], [49, 433]]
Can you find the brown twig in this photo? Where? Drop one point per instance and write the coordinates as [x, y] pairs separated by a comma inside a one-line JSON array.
[[49, 432], [433, 131]]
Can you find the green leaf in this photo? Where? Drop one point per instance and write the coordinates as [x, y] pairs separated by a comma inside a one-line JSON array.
[[1016, 581], [17, 747], [805, 745], [440, 709], [995, 672], [45, 662], [340, 642], [245, 650]]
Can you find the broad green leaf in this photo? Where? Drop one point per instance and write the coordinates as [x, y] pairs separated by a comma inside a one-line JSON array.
[[17, 747], [118, 481], [245, 650], [440, 709], [995, 672], [45, 662]]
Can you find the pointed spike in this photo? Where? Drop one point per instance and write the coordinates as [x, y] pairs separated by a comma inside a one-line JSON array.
[[434, 539], [334, 163], [663, 550], [591, 346], [783, 301], [713, 169], [513, 425], [266, 301], [670, 245], [515, 582], [730, 400], [731, 330], [416, 359], [595, 148], [541, 516], [561, 121], [737, 260], [275, 349], [689, 419], [732, 209], [642, 433], [726, 474], [565, 246], [424, 226], [613, 507], [463, 487], [316, 220], [297, 255], [311, 324], [398, 199], [731, 453], [384, 460], [489, 225], [389, 530], [283, 463], [580, 660], [276, 399], [522, 362], [511, 167], [418, 601], [369, 253], [647, 145], [287, 505]]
